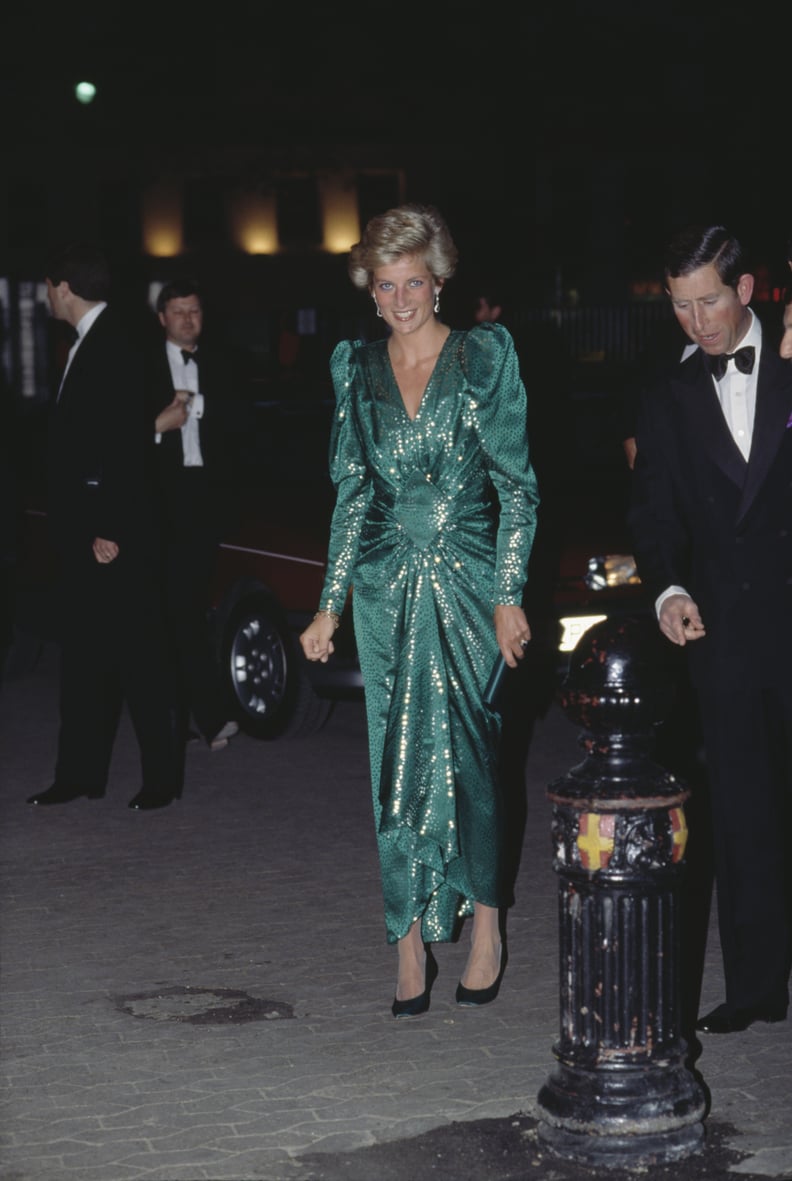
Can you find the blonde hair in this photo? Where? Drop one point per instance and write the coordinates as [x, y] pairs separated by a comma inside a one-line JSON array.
[[405, 230]]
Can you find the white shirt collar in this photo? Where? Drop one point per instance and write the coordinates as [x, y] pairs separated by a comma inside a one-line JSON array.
[[85, 322], [752, 337], [754, 334], [175, 351]]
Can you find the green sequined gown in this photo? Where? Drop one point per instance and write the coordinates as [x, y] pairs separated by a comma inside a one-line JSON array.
[[416, 534]]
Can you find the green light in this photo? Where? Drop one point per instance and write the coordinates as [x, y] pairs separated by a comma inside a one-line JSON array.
[[85, 92]]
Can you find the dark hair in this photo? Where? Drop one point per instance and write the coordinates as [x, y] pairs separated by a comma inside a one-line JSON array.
[[700, 246], [178, 289], [84, 267]]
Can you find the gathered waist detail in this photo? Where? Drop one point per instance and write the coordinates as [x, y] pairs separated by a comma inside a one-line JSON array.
[[423, 511]]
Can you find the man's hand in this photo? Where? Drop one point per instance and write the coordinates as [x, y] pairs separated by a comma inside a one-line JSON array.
[[175, 413], [104, 551], [680, 620]]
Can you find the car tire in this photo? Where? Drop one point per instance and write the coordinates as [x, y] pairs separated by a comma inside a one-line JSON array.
[[269, 692]]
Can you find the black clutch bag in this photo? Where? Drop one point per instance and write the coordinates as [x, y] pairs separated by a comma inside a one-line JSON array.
[[494, 688]]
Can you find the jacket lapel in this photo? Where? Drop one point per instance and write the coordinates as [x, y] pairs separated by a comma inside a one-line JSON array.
[[86, 346], [772, 414], [698, 401]]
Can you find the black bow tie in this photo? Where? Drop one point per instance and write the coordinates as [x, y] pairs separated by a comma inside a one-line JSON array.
[[743, 359], [189, 356]]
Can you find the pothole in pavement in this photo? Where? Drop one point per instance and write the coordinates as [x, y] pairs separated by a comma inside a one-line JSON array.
[[202, 1006]]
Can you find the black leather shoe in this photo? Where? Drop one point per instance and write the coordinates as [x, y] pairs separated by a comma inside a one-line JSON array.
[[64, 793], [482, 996], [146, 800], [418, 1004], [725, 1020]]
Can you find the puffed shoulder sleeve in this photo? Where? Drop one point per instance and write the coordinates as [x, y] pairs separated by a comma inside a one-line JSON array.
[[498, 407], [345, 452], [349, 474]]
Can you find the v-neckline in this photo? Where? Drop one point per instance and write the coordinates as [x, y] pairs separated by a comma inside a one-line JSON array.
[[429, 379]]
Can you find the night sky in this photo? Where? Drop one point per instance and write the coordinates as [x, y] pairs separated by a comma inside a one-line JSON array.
[[692, 98], [614, 69]]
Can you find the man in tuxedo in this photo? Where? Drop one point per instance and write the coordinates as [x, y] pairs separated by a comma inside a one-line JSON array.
[[711, 518], [103, 518], [199, 433]]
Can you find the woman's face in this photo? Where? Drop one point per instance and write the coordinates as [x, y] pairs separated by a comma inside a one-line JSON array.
[[405, 292]]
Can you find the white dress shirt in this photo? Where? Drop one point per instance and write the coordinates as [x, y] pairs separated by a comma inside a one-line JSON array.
[[184, 375], [737, 392]]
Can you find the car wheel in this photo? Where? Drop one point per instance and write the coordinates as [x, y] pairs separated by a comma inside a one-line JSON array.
[[270, 693]]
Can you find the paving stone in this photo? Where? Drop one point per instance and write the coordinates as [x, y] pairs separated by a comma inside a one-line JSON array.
[[263, 881]]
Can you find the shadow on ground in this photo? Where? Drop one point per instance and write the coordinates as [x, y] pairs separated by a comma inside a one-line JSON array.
[[507, 1150]]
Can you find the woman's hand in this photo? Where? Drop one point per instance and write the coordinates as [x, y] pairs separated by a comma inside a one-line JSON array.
[[317, 639], [512, 632]]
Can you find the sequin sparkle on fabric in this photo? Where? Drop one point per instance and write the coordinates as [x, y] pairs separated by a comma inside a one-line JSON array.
[[416, 533]]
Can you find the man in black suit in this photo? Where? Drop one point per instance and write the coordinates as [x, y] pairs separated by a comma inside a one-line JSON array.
[[103, 516], [711, 518], [199, 432]]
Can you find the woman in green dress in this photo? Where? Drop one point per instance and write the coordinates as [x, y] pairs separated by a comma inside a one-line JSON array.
[[433, 524]]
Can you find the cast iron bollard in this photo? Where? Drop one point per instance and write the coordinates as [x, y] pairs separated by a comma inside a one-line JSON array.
[[620, 1093]]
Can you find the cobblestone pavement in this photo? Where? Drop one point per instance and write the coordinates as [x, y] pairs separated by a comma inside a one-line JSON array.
[[202, 993]]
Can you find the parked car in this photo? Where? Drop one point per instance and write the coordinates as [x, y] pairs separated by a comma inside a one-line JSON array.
[[271, 568], [267, 587]]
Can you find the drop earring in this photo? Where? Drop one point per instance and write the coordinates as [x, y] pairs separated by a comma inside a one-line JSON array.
[[437, 302], [379, 309]]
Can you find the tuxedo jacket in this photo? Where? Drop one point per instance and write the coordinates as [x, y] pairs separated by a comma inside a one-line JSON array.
[[102, 478], [703, 518], [222, 428]]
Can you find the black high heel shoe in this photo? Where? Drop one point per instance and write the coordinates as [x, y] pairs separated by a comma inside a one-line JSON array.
[[482, 996], [418, 1004]]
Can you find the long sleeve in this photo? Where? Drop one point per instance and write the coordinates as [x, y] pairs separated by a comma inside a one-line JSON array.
[[660, 538], [350, 478], [102, 449], [498, 405]]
